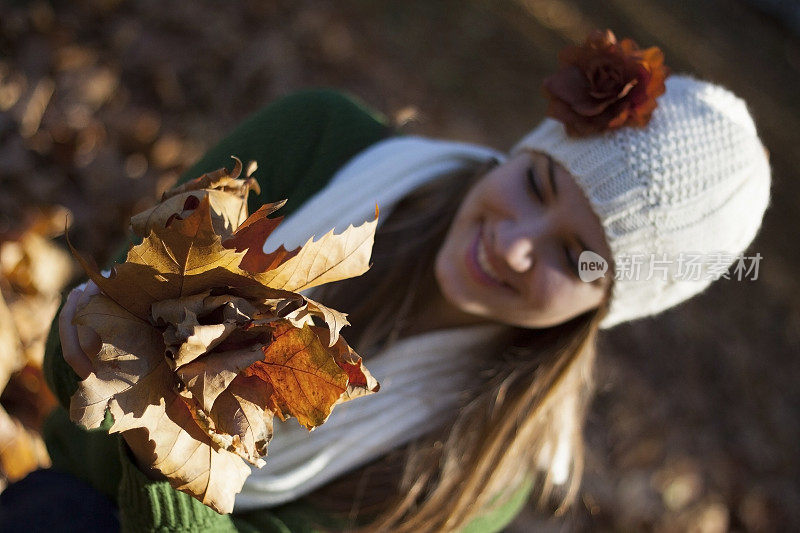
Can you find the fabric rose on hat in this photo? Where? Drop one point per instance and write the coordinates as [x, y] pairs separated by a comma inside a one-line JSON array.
[[605, 84]]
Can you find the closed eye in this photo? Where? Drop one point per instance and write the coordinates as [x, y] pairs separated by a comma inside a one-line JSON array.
[[571, 263], [531, 174]]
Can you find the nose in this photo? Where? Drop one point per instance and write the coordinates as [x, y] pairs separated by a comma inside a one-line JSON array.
[[516, 246], [519, 255]]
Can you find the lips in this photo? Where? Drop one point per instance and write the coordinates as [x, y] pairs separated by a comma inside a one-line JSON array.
[[484, 275]]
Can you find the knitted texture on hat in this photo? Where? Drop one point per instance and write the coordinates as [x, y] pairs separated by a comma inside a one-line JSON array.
[[695, 180]]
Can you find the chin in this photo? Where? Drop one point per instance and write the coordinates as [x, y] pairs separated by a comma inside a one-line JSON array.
[[456, 296]]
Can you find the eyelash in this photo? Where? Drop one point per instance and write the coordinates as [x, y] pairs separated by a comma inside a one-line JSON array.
[[571, 265], [532, 184]]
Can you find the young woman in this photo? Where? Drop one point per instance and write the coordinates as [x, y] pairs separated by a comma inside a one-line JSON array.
[[474, 317]]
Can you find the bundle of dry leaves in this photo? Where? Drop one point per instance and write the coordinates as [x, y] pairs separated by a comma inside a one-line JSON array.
[[204, 337]]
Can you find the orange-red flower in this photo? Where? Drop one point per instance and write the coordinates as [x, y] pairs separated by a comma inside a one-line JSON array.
[[605, 84]]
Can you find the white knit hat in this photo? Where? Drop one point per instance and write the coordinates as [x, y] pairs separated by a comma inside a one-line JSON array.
[[696, 179]]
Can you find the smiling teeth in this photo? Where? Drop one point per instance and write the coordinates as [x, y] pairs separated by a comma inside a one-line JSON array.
[[483, 261]]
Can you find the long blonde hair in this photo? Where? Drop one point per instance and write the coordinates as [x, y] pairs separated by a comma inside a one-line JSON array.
[[534, 390]]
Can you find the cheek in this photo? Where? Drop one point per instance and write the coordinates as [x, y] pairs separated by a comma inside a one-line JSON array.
[[441, 260], [550, 290], [569, 298], [445, 268], [544, 292]]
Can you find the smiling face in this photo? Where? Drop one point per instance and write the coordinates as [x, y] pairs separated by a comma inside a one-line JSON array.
[[511, 253]]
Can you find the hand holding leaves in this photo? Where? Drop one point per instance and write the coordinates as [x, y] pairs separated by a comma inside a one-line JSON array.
[[204, 337]]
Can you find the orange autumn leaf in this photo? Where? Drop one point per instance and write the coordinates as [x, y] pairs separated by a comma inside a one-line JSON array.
[[252, 234], [203, 341], [306, 381]]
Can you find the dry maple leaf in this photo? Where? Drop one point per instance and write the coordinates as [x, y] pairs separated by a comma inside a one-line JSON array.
[[205, 338]]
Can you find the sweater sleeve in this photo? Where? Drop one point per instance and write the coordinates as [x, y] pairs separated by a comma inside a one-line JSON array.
[[299, 142]]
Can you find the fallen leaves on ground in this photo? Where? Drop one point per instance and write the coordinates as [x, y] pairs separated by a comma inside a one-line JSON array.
[[205, 338], [33, 271], [21, 449]]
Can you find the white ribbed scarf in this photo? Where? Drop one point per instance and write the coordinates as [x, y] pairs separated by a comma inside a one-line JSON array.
[[422, 377]]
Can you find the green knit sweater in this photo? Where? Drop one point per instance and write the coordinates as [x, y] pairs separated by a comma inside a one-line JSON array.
[[299, 142]]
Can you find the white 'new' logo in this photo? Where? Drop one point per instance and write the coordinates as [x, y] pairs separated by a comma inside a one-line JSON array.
[[591, 266]]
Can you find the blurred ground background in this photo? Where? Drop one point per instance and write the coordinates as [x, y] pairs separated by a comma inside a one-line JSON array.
[[695, 425]]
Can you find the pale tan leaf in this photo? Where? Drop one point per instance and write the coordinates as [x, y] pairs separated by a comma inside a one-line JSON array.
[[208, 377], [177, 448], [189, 339], [241, 411], [331, 258], [226, 194], [335, 320], [130, 372], [186, 338], [138, 390], [185, 260], [228, 212], [190, 256], [137, 288], [174, 310], [233, 308], [219, 179]]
